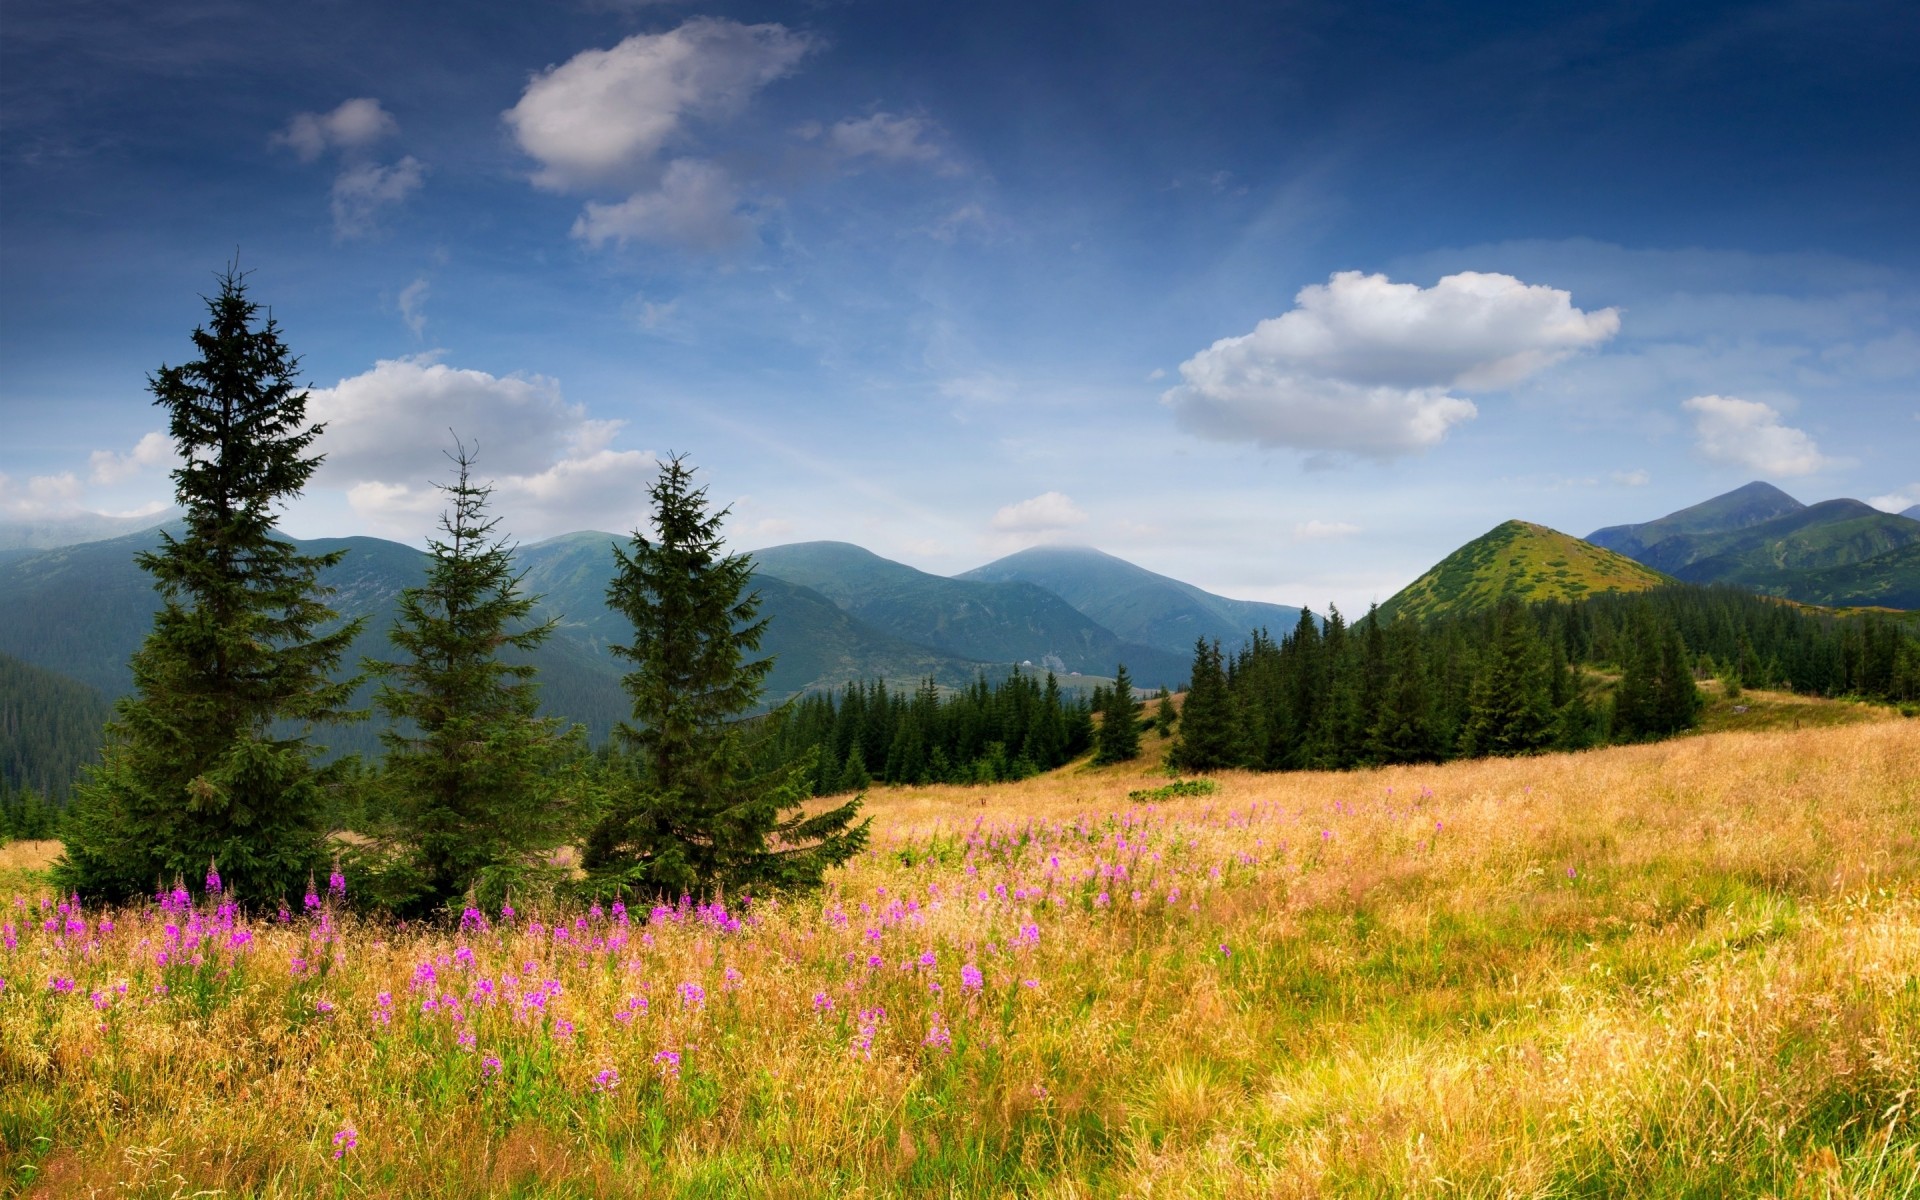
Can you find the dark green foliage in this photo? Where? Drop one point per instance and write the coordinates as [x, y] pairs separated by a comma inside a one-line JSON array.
[[1118, 738], [1510, 680], [688, 814], [208, 758], [49, 728], [472, 798], [1164, 714], [1511, 710], [1207, 739], [26, 815], [984, 733]]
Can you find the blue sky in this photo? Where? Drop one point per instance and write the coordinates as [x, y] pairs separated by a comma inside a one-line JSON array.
[[1284, 299]]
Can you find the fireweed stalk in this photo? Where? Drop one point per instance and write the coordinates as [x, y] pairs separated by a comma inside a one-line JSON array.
[[1495, 972]]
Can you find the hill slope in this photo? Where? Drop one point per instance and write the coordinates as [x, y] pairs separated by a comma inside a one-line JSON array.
[[986, 621], [1135, 603], [1519, 559]]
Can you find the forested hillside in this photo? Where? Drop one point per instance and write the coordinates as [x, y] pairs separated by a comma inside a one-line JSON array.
[[1519, 678], [50, 728]]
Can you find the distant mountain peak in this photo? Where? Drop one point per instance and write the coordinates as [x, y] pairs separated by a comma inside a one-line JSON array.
[[1520, 559]]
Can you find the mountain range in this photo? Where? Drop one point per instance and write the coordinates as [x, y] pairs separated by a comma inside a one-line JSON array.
[[837, 613], [1841, 553]]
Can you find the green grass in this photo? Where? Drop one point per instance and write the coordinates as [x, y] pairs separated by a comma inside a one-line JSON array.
[[1683, 969]]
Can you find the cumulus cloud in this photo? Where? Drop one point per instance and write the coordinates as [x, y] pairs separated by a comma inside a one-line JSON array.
[[1046, 513], [107, 467], [603, 115], [1637, 477], [363, 189], [355, 125], [696, 204], [1898, 501], [552, 466], [881, 136], [1320, 531], [1365, 366], [1748, 433]]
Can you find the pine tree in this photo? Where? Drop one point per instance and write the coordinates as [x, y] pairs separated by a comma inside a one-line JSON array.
[[470, 767], [689, 817], [1509, 710], [1164, 714], [1118, 738], [208, 758], [1206, 741]]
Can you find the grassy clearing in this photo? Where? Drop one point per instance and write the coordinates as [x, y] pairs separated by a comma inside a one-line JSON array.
[[1686, 969]]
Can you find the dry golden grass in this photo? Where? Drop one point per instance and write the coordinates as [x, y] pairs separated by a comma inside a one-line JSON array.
[[1690, 968]]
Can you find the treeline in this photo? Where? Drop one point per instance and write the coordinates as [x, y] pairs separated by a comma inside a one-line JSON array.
[[49, 728], [985, 733], [1521, 678]]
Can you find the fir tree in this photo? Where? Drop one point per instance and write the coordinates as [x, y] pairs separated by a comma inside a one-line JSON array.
[[470, 767], [1118, 738], [1510, 712], [1164, 714], [690, 817], [208, 758], [1206, 741]]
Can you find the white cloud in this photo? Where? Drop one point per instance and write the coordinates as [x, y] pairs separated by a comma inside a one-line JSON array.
[[155, 449], [355, 125], [603, 115], [412, 303], [885, 137], [1747, 433], [1897, 501], [1318, 531], [363, 189], [553, 467], [40, 496], [1365, 366], [1637, 477], [1047, 512], [696, 204]]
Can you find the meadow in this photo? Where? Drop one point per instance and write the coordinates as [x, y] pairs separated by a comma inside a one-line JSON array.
[[1683, 969]]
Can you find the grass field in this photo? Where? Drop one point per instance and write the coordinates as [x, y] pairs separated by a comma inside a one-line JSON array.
[[1686, 969]]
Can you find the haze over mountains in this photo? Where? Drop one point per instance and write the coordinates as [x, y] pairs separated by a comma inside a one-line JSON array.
[[840, 613]]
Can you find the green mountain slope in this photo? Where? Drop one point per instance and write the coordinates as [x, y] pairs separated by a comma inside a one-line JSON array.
[[1519, 559], [987, 621], [49, 727], [1135, 603], [1769, 556], [815, 644], [81, 611], [1673, 534], [1890, 580], [1838, 552]]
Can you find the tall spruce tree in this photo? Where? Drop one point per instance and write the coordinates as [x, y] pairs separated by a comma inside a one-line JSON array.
[[689, 816], [207, 760], [470, 778], [1206, 741], [1118, 738], [1510, 711]]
